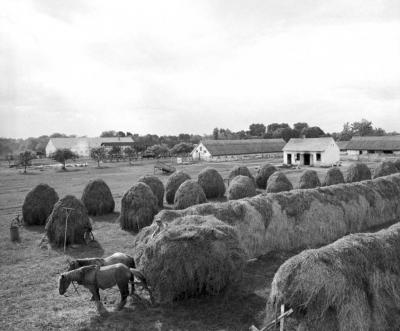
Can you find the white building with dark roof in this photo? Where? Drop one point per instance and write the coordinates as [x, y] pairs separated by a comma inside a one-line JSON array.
[[221, 150], [311, 152], [374, 145]]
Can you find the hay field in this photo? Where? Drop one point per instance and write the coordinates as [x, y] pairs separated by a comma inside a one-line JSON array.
[[29, 296]]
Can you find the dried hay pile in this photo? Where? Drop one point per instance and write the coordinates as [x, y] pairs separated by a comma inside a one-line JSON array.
[[333, 176], [241, 187], [138, 207], [38, 204], [156, 186], [240, 171], [188, 194], [309, 179], [352, 284], [384, 169], [397, 164], [263, 174], [78, 223], [173, 183], [191, 256], [358, 172], [212, 183], [97, 198], [278, 182]]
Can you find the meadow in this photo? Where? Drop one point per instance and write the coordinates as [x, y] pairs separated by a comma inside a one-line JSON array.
[[29, 297]]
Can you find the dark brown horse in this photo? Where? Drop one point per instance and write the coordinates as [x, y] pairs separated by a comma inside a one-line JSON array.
[[112, 259]]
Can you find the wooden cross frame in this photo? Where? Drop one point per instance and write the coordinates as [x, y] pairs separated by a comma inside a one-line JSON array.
[[67, 212]]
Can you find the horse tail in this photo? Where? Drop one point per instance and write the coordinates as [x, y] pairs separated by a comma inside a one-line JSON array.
[[131, 262]]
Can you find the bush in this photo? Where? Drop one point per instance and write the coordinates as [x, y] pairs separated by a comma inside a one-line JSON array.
[[188, 194], [278, 182], [212, 183], [333, 176], [309, 179], [97, 198], [241, 187], [263, 174], [156, 186], [385, 169], [358, 172], [173, 183]]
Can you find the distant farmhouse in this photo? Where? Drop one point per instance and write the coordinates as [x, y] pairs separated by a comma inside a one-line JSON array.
[[374, 145], [82, 146], [311, 151], [222, 150]]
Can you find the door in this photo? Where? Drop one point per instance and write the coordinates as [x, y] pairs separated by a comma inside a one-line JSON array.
[[289, 159], [307, 158]]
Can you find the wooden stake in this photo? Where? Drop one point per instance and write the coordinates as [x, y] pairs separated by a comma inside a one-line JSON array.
[[283, 318], [68, 211]]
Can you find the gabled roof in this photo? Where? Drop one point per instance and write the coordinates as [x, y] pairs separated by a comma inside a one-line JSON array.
[[247, 146], [381, 143], [309, 144], [342, 144], [60, 143]]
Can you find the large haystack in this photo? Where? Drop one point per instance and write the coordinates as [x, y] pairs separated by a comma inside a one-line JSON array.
[[333, 176], [188, 194], [212, 183], [385, 168], [263, 174], [241, 187], [397, 164], [240, 171], [352, 284], [156, 186], [278, 182], [78, 223], [97, 198], [138, 207], [358, 172], [309, 179], [173, 183], [191, 256], [38, 204]]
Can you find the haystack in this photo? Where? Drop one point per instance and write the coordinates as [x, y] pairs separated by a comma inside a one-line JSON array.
[[78, 223], [191, 256], [38, 204], [309, 179], [173, 183], [333, 176], [156, 186], [241, 187], [240, 171], [278, 182], [397, 164], [358, 172], [352, 284], [138, 207], [263, 174], [385, 168], [188, 194], [97, 198], [212, 183]]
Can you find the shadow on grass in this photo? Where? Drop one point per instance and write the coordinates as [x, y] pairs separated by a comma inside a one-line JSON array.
[[92, 249], [110, 218]]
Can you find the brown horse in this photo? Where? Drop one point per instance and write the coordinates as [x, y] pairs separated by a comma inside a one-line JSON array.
[[95, 277], [112, 259]]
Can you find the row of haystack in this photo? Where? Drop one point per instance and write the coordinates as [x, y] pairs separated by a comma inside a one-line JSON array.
[[352, 284]]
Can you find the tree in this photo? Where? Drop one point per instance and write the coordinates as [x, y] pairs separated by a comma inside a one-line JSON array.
[[215, 133], [313, 132], [300, 126], [274, 126], [98, 154], [130, 153], [158, 150], [257, 129], [114, 152], [184, 137], [62, 155], [182, 148], [362, 128], [346, 133], [110, 133], [120, 134], [285, 133], [24, 159]]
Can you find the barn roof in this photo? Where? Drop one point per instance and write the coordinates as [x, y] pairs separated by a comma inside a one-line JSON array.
[[308, 144], [381, 143], [342, 144], [61, 143], [246, 146]]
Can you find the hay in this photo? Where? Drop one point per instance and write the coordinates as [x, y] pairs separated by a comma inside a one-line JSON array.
[[188, 194], [138, 207], [241, 187], [263, 174], [352, 284], [358, 172], [278, 182], [333, 176], [240, 171], [309, 179], [78, 222], [173, 183], [38, 204], [384, 169], [397, 164], [156, 186], [191, 256], [212, 183], [97, 198]]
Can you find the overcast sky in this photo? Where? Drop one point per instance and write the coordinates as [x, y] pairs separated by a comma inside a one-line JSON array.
[[167, 67]]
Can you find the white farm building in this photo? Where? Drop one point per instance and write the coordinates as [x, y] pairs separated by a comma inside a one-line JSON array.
[[374, 145], [311, 151], [223, 150]]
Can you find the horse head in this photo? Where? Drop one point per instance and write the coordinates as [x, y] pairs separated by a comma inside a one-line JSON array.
[[64, 283]]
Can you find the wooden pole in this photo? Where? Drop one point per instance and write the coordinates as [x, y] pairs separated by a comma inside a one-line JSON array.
[[67, 211], [282, 326]]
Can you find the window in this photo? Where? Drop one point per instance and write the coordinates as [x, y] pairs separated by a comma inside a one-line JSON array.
[[298, 157], [318, 156], [387, 152]]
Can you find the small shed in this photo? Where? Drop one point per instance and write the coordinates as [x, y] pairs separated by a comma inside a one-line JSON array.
[[311, 152]]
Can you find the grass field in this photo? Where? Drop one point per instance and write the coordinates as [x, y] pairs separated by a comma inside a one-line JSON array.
[[29, 296]]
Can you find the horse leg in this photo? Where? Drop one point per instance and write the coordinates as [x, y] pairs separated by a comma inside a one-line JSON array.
[[96, 296], [124, 290]]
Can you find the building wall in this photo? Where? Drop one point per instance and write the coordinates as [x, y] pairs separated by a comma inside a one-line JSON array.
[[201, 153], [50, 148], [328, 157]]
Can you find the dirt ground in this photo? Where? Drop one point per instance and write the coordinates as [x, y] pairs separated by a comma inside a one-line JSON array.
[[29, 296]]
